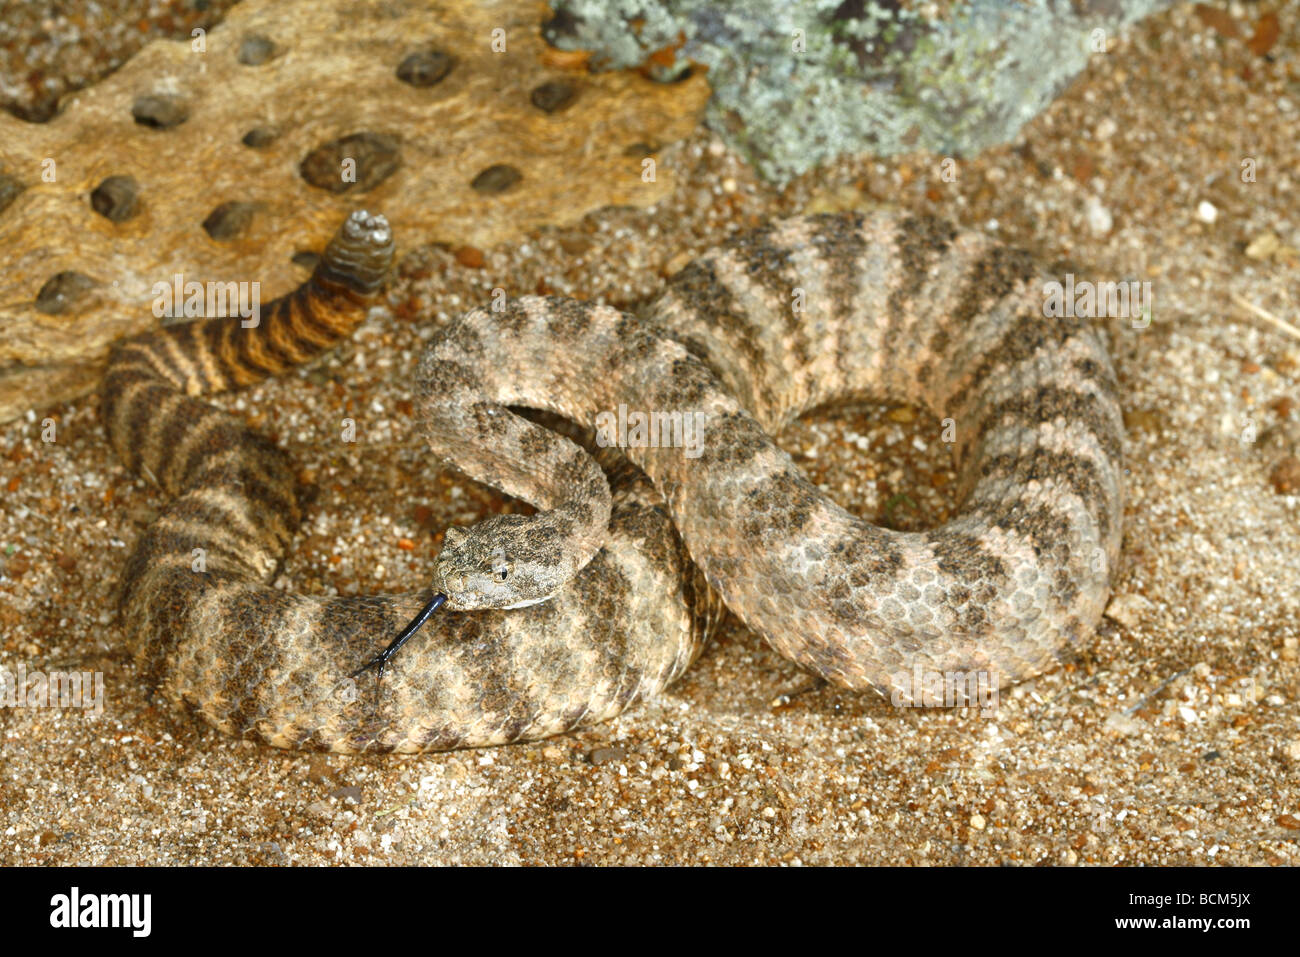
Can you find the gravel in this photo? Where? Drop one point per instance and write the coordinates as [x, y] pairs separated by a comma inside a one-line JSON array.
[[1170, 737]]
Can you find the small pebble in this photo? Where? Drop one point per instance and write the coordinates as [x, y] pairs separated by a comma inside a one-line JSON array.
[[1127, 609], [1100, 220], [606, 755], [1263, 246], [1285, 475], [351, 794]]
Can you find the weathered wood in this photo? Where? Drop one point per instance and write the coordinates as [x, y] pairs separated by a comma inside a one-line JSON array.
[[152, 174]]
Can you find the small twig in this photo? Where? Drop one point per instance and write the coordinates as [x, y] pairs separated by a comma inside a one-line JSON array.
[[1267, 316], [1129, 712]]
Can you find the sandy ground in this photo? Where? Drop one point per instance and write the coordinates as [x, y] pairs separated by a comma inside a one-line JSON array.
[[1171, 737]]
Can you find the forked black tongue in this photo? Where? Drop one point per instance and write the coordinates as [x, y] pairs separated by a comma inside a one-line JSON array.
[[381, 660]]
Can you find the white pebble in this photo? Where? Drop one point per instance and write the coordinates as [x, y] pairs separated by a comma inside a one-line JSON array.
[[1100, 220], [1206, 212]]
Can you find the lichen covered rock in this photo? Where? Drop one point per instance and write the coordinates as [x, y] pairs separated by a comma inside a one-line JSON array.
[[797, 82]]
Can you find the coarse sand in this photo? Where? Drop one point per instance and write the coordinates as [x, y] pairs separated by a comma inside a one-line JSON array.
[[1171, 737]]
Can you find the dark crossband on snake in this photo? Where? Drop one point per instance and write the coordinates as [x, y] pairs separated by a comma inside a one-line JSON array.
[[608, 592]]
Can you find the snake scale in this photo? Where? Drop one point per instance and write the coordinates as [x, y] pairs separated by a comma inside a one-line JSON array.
[[608, 592]]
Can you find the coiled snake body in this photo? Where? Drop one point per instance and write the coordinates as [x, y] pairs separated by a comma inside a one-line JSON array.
[[567, 616]]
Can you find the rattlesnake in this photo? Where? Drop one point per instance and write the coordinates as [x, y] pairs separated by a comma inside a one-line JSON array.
[[538, 636], [263, 663]]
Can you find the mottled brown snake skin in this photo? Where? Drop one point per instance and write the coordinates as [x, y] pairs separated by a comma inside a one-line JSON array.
[[262, 663], [564, 618]]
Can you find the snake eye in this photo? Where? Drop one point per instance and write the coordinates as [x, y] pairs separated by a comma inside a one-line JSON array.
[[501, 573]]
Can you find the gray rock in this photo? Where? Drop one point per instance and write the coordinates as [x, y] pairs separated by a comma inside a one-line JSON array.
[[868, 77]]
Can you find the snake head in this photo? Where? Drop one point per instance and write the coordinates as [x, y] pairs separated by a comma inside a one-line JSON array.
[[500, 563]]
